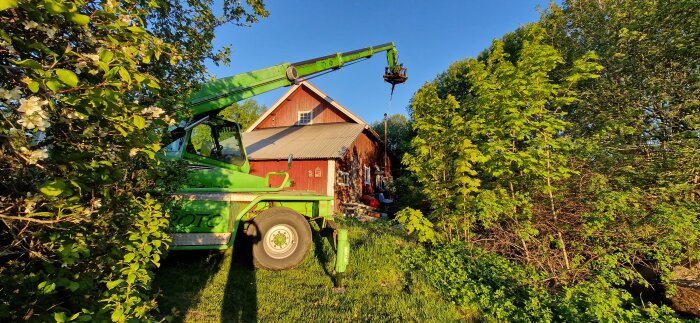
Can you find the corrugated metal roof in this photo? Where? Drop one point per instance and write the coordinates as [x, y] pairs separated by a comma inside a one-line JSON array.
[[330, 140]]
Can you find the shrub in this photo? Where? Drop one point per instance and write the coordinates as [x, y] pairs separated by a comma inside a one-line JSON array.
[[87, 90], [503, 290]]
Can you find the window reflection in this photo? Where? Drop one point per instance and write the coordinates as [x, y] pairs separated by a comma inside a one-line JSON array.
[[217, 139]]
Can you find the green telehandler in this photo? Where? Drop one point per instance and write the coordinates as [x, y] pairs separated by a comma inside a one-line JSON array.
[[221, 197]]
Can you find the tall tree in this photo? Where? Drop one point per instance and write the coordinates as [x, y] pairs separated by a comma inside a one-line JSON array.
[[639, 128], [587, 142], [244, 113], [489, 149], [642, 114]]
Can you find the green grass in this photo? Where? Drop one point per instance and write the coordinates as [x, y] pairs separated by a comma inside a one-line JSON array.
[[221, 287]]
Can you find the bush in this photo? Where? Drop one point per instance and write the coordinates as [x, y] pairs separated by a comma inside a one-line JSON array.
[[570, 145], [87, 90], [503, 290]]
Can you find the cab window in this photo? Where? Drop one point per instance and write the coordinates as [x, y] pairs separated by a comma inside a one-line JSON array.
[[217, 139]]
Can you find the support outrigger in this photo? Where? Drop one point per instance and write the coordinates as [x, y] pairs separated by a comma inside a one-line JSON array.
[[221, 196]]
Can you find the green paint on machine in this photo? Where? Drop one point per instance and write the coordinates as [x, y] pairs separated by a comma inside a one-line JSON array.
[[220, 194]]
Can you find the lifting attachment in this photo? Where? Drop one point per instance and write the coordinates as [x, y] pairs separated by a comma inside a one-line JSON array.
[[395, 75]]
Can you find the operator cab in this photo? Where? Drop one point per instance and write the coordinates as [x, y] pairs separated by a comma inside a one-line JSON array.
[[208, 138]]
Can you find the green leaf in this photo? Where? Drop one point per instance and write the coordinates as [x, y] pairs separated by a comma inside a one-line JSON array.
[[117, 315], [60, 317], [73, 286], [136, 29], [46, 287], [139, 77], [33, 86], [44, 214], [55, 188], [153, 84], [124, 74], [79, 19], [7, 4], [139, 121], [146, 57], [114, 283], [121, 130], [78, 186], [30, 63], [150, 154], [111, 73], [43, 48], [129, 257], [54, 7], [106, 56], [67, 77], [54, 85]]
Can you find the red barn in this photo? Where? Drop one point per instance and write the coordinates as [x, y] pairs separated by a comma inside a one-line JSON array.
[[335, 152]]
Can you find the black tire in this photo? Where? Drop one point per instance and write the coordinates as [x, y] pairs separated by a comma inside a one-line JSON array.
[[280, 238]]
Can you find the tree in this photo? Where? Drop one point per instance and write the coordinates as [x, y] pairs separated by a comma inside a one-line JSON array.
[[642, 112], [86, 89], [489, 148], [244, 113], [581, 144], [638, 126]]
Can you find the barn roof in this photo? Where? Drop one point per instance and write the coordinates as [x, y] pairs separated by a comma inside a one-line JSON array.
[[321, 141]]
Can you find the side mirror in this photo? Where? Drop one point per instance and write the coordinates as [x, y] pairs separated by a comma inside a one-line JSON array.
[[289, 161]]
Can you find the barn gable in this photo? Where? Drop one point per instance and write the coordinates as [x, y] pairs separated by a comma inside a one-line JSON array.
[[304, 98]]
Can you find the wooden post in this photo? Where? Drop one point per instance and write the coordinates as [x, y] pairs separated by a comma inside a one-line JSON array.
[[386, 143]]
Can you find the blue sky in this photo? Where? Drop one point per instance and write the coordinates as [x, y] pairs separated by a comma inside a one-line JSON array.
[[429, 35]]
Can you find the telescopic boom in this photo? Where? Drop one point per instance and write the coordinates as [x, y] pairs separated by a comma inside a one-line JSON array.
[[219, 94]]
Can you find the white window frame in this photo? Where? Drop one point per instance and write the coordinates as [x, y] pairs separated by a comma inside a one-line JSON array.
[[343, 178], [380, 181], [310, 114], [368, 175]]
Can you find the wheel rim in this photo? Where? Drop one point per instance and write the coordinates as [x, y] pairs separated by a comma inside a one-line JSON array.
[[280, 241]]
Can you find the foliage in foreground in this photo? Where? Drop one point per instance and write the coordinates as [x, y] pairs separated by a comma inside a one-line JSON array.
[[86, 90], [503, 290]]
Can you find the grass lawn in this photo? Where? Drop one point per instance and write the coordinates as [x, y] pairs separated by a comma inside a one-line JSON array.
[[222, 287]]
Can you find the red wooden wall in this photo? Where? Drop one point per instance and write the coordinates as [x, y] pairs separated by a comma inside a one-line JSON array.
[[303, 99], [299, 173], [365, 151]]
